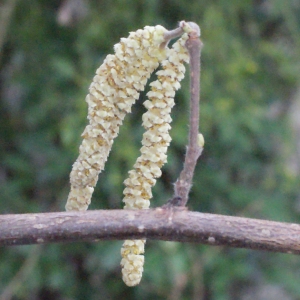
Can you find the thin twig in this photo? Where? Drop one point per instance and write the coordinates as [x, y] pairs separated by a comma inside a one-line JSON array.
[[194, 149], [175, 224]]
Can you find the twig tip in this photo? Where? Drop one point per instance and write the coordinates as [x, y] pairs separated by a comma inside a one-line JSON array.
[[191, 28]]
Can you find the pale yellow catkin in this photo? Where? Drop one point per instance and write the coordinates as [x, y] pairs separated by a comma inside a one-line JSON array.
[[156, 140], [113, 91]]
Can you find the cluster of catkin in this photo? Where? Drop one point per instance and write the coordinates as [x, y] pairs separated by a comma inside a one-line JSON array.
[[114, 89]]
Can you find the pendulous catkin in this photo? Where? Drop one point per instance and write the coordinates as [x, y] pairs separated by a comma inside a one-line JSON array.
[[155, 143]]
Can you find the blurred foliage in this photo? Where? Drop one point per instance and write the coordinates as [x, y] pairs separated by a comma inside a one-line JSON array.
[[250, 72]]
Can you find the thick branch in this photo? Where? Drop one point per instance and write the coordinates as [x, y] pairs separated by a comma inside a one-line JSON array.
[[175, 224]]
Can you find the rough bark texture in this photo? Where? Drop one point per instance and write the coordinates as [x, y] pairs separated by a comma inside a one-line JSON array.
[[169, 224]]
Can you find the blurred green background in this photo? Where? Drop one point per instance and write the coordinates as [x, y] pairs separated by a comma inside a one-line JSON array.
[[250, 118]]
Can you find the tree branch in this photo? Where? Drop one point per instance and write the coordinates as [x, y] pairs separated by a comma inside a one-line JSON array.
[[184, 182], [169, 224]]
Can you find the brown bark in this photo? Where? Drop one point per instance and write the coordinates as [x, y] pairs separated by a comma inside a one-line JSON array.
[[193, 150], [174, 224]]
